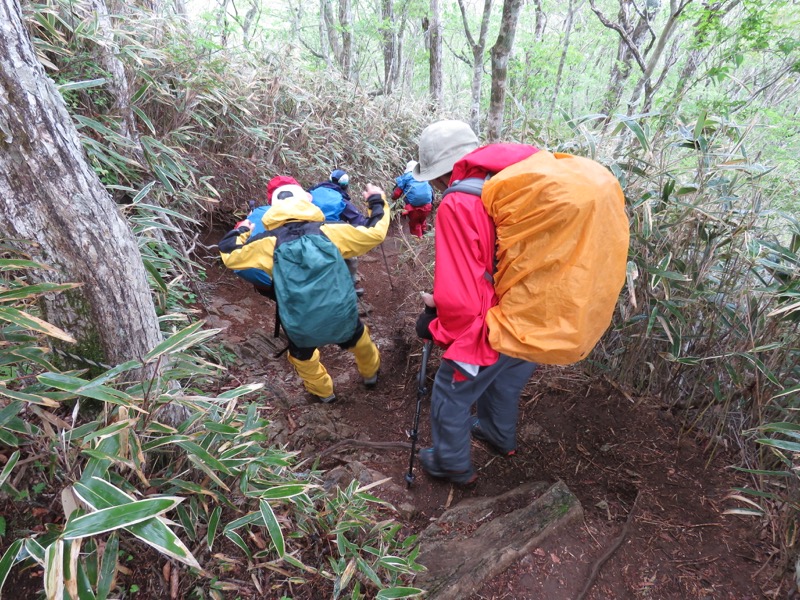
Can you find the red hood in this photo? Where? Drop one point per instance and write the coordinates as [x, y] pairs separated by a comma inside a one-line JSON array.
[[490, 159]]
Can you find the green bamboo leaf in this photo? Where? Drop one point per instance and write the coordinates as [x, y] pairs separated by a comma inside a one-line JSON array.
[[85, 591], [153, 270], [8, 412], [237, 539], [81, 85], [26, 321], [241, 391], [108, 568], [8, 560], [283, 491], [369, 571], [213, 523], [781, 444], [780, 427], [399, 592], [209, 471], [295, 562], [637, 131], [344, 579], [204, 456], [81, 387], [164, 179], [248, 519], [145, 119], [394, 564], [180, 341], [118, 517], [112, 429], [40, 400], [700, 125], [12, 462], [100, 494], [163, 441], [166, 211], [220, 428], [13, 264], [30, 291], [273, 527], [759, 364], [35, 550]]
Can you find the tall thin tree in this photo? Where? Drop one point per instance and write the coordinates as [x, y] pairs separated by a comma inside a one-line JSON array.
[[436, 75], [478, 50], [501, 51]]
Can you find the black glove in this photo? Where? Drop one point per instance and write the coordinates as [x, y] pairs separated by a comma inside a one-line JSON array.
[[375, 200], [424, 322]]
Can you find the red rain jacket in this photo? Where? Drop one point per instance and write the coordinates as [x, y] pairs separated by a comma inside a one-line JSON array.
[[463, 288]]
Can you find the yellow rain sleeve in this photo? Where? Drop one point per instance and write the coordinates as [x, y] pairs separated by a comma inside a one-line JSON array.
[[368, 359], [314, 375], [562, 247], [354, 240]]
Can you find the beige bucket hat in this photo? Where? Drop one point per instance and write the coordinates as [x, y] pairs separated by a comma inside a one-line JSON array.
[[442, 145]]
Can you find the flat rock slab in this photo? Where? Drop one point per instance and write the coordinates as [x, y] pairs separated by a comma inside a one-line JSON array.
[[481, 537]]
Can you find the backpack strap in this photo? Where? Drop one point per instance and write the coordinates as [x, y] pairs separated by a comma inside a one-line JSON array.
[[296, 229], [470, 185], [474, 186]]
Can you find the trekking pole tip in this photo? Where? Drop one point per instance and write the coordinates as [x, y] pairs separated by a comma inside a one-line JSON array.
[[409, 479]]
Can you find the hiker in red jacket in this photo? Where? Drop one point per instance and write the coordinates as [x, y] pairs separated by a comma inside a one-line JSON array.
[[471, 372]]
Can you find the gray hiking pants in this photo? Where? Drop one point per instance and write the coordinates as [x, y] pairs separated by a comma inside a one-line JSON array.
[[495, 388]]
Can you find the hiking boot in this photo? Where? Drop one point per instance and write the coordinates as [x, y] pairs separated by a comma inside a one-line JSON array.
[[328, 399], [430, 464], [480, 435], [359, 291], [370, 382]]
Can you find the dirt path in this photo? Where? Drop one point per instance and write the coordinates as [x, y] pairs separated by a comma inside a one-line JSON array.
[[615, 453]]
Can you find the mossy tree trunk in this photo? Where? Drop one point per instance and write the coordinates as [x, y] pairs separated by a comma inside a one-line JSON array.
[[501, 51], [54, 209]]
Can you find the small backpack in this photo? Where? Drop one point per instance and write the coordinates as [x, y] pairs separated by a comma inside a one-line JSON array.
[[256, 276], [562, 249], [317, 303], [329, 200]]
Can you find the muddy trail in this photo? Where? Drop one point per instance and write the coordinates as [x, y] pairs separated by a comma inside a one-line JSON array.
[[653, 497]]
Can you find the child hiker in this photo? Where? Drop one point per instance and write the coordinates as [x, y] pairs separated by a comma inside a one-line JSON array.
[[419, 198]]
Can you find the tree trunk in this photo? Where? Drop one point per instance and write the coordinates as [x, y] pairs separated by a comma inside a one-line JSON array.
[[117, 85], [541, 21], [330, 29], [478, 51], [54, 208], [713, 13], [501, 51], [632, 38], [436, 75], [645, 84], [565, 49], [345, 22], [390, 51]]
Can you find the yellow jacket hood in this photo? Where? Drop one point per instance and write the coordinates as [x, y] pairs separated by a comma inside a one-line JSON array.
[[285, 211]]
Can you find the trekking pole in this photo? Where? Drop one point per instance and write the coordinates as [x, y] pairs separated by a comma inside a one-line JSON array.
[[386, 262], [421, 391]]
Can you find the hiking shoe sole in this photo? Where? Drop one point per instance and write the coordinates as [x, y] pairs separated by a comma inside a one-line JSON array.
[[481, 436], [371, 382], [431, 466], [328, 399]]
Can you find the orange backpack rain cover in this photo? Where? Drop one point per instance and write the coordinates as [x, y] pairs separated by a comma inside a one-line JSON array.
[[562, 249]]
